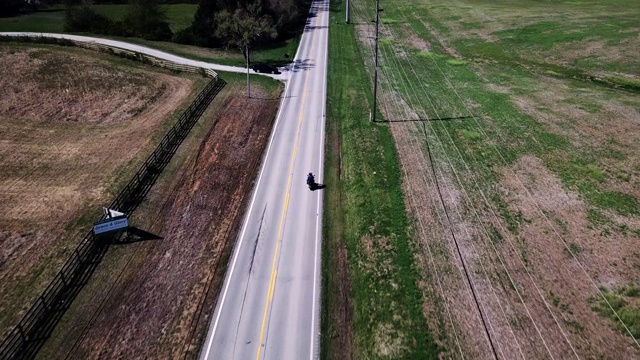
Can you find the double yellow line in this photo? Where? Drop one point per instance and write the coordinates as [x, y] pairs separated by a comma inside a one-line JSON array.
[[274, 270]]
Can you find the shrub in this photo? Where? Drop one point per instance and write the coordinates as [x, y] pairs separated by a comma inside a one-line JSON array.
[[84, 19], [148, 20], [184, 36]]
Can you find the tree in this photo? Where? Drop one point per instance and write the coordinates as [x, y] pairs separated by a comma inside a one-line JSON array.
[[148, 20], [10, 7], [288, 16], [201, 32], [244, 26], [81, 17]]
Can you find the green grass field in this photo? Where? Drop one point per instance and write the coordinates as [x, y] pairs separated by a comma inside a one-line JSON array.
[[515, 60], [531, 114]]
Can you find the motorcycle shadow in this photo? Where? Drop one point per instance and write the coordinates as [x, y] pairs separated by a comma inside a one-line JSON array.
[[316, 186]]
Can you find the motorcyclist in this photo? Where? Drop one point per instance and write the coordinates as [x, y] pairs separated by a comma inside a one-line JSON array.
[[311, 181]]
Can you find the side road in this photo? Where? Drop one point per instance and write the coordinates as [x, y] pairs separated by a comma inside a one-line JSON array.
[[144, 50]]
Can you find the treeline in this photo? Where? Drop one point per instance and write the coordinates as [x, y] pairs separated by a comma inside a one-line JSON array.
[[217, 23], [162, 2], [15, 7], [144, 18]]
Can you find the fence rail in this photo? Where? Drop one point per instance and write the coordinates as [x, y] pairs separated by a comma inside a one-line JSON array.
[[26, 339]]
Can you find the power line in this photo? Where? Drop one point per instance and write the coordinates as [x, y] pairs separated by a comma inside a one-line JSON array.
[[467, 276], [375, 68], [486, 323], [423, 227], [487, 235], [544, 216]]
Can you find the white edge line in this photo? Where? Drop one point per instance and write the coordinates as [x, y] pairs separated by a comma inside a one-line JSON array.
[[315, 328], [253, 199]]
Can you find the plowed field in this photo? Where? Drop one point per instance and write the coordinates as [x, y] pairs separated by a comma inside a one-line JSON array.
[[74, 124], [153, 298]]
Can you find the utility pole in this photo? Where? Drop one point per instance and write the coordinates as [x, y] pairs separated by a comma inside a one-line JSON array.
[[375, 70], [248, 81], [250, 40], [348, 11]]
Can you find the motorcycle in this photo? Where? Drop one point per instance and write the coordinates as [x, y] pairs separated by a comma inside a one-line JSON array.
[[311, 182]]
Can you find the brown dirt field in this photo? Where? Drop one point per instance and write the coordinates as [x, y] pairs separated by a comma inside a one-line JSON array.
[[545, 250], [557, 218], [71, 120], [161, 292]]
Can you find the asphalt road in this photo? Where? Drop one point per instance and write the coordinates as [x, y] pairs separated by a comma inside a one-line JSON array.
[[269, 304]]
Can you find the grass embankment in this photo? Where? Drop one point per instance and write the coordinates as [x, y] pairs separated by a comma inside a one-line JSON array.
[[179, 16], [365, 218], [231, 57]]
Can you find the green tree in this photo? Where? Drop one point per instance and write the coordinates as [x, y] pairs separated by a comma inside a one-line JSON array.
[[288, 16], [202, 30], [146, 19], [80, 16], [10, 7], [244, 26]]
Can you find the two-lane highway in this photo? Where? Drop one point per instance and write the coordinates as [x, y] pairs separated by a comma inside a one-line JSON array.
[[268, 307]]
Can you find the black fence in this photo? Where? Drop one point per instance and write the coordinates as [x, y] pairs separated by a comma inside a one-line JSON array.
[[26, 339]]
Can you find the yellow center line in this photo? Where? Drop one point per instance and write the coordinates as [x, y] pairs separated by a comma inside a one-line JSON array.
[[272, 280]]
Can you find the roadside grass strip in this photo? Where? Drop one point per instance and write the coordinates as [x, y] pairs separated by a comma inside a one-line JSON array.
[[367, 214]]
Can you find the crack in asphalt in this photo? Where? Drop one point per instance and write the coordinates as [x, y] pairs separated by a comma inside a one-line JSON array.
[[253, 255]]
